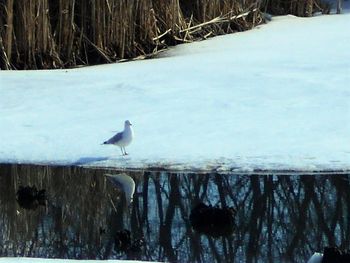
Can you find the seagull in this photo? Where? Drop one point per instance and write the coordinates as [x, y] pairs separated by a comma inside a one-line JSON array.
[[126, 183], [330, 255], [316, 258], [122, 139]]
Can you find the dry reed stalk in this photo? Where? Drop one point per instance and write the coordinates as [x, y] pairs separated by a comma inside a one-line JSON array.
[[339, 6], [5, 63], [220, 19], [296, 7], [64, 33], [28, 45], [9, 29], [65, 30], [309, 7]]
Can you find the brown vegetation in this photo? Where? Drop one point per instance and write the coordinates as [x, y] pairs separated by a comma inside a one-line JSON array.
[[38, 34]]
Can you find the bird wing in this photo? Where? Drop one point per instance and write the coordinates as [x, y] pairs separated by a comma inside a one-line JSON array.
[[116, 138]]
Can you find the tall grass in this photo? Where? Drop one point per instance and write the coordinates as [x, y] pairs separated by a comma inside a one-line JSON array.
[[38, 34]]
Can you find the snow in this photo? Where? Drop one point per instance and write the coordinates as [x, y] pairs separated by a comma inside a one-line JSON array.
[[276, 97]]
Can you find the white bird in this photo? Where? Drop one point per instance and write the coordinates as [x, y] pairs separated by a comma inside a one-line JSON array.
[[316, 258], [122, 139], [126, 183]]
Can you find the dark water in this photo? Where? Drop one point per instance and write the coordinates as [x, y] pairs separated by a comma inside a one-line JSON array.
[[280, 218]]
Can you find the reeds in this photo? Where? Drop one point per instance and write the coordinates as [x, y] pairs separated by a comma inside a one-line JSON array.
[[296, 7], [39, 34]]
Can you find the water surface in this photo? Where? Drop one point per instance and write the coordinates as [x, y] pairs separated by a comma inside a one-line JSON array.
[[280, 218]]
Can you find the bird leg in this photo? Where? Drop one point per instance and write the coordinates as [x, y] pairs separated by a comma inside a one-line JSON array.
[[125, 151], [121, 148]]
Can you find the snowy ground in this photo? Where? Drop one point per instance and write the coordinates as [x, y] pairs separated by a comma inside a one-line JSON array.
[[276, 97]]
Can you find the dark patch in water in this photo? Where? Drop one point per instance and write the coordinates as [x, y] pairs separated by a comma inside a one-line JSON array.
[[29, 197], [335, 255], [125, 243], [213, 221]]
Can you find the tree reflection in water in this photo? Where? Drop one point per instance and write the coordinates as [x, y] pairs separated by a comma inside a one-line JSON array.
[[280, 218]]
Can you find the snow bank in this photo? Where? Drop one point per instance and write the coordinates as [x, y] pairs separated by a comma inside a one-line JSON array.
[[276, 97]]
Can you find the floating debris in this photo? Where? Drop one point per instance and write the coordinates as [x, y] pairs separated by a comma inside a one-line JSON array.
[[334, 254], [125, 244], [29, 197], [213, 221], [122, 240]]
